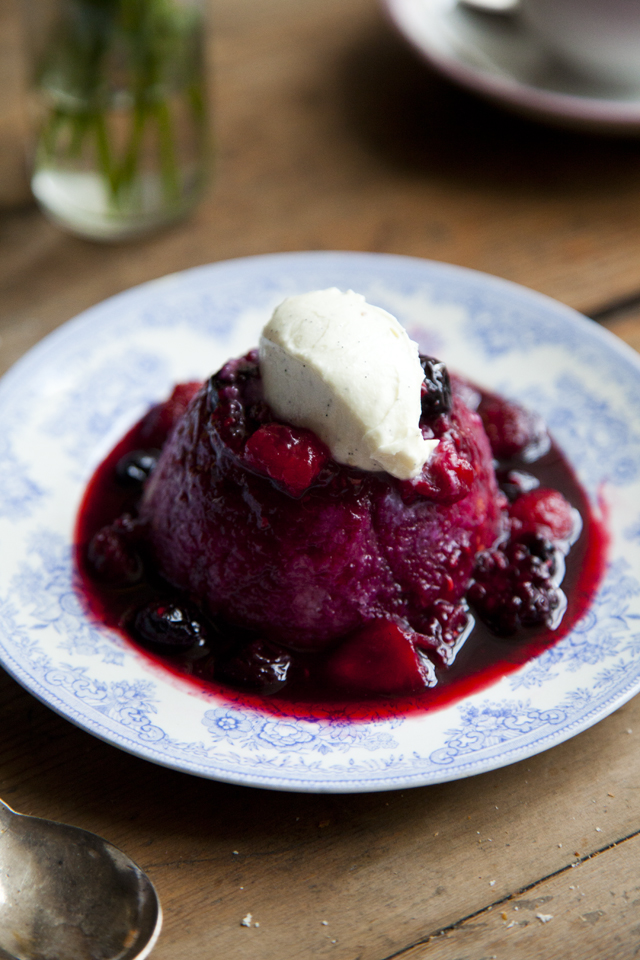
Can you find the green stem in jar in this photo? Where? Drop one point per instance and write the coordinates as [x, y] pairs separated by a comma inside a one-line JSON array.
[[168, 162], [112, 73]]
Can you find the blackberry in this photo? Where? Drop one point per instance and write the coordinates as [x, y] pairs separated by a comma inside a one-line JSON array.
[[227, 393], [442, 631], [514, 483], [112, 555], [515, 586], [436, 388]]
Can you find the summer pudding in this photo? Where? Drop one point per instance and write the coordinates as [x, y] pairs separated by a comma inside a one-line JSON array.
[[335, 517]]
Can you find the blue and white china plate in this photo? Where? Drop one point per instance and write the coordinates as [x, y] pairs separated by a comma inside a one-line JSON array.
[[66, 403]]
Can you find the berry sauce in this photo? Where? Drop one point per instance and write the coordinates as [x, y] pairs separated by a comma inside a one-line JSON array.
[[513, 595]]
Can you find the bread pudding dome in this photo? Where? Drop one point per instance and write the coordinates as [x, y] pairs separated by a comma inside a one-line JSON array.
[[333, 479]]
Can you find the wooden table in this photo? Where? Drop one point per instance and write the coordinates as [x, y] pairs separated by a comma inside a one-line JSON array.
[[331, 135]]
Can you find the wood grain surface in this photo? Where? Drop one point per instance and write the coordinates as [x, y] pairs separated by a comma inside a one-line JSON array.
[[331, 135], [14, 188]]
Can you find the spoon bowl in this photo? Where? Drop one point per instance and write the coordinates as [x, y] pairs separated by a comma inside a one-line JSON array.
[[67, 894]]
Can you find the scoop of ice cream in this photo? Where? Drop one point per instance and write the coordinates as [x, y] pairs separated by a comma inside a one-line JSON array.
[[335, 364]]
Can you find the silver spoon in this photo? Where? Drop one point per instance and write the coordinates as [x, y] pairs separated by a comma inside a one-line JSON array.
[[67, 894]]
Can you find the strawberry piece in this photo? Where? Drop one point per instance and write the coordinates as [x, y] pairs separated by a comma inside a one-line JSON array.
[[291, 457], [379, 660], [446, 477]]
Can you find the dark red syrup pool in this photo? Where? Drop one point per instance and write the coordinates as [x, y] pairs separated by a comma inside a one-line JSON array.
[[483, 659]]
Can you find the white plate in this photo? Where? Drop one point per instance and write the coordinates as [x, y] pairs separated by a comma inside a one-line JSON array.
[[66, 403], [497, 57]]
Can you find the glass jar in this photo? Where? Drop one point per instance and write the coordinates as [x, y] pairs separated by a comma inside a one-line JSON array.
[[121, 116]]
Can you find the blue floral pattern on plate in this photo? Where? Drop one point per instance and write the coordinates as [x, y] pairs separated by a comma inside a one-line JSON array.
[[66, 403]]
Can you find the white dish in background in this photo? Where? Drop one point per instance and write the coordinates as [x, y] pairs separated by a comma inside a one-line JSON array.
[[497, 57], [67, 402]]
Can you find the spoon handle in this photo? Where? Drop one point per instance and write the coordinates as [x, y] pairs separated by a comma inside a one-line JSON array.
[[6, 815]]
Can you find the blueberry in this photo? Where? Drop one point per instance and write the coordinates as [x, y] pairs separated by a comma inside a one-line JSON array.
[[135, 467], [436, 388], [169, 627], [259, 666]]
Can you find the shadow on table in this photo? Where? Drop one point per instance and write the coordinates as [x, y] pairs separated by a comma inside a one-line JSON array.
[[418, 120]]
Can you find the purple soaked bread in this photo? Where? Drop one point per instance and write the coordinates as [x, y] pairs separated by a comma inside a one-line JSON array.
[[261, 527]]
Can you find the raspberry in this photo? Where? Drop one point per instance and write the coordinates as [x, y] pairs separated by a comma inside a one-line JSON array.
[[544, 512], [161, 419], [512, 430], [292, 458]]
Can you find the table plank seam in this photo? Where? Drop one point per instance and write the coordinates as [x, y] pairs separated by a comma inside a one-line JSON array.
[[616, 309], [511, 896]]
